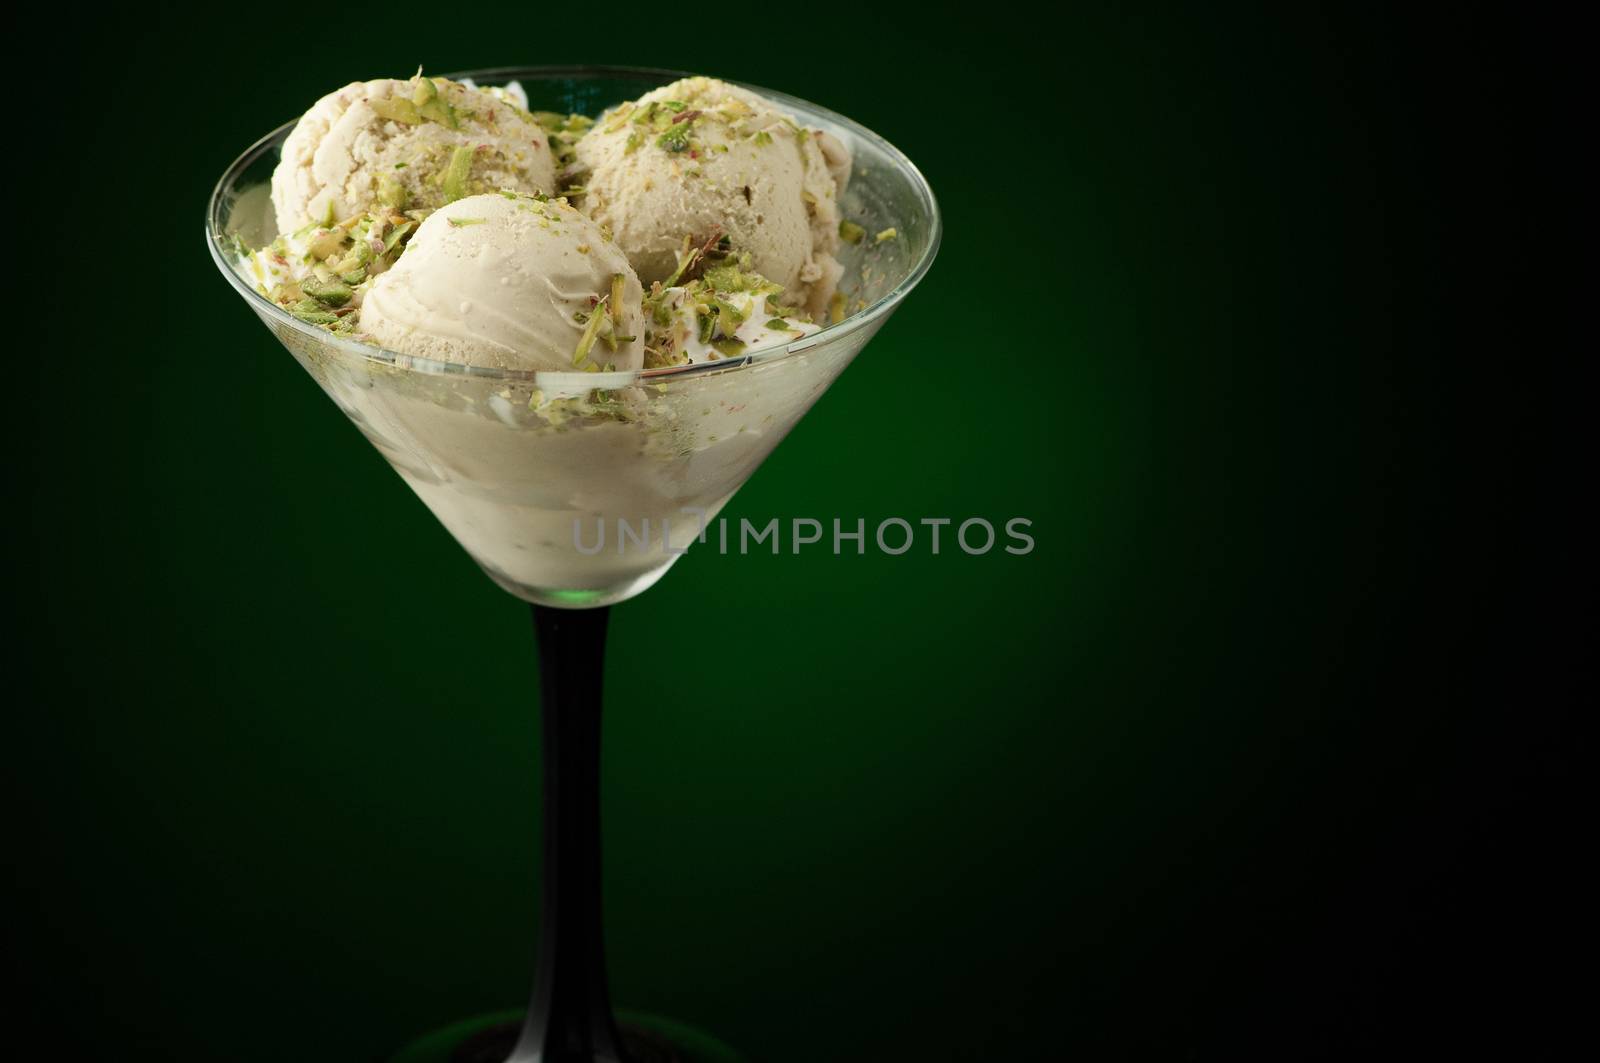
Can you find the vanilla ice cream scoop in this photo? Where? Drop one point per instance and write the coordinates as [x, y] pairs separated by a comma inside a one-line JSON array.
[[510, 282], [405, 145], [700, 155]]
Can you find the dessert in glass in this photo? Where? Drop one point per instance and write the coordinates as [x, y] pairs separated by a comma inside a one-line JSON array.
[[575, 308]]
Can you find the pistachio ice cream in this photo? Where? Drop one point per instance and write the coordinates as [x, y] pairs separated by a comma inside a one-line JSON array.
[[406, 145], [700, 157], [564, 254], [510, 282]]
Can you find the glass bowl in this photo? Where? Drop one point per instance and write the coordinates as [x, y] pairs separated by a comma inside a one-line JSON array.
[[578, 489]]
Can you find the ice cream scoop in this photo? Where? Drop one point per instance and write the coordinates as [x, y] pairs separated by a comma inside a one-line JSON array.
[[400, 145], [700, 156], [511, 282]]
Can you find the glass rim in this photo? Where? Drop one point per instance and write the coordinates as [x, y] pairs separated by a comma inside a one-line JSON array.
[[762, 356]]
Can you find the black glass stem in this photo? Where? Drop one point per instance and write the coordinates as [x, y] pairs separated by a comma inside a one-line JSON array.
[[569, 1019]]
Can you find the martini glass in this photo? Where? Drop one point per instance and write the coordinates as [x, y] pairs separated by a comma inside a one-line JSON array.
[[574, 491]]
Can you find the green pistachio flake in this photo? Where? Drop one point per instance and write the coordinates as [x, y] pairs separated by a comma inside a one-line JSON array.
[[461, 223], [728, 278], [396, 109], [438, 110], [729, 317], [631, 145], [850, 232], [330, 292], [391, 192], [591, 332], [676, 138], [836, 308], [311, 312], [887, 234], [728, 348], [354, 277], [617, 282], [326, 244], [778, 324], [763, 138], [424, 91], [356, 258], [392, 241], [455, 175]]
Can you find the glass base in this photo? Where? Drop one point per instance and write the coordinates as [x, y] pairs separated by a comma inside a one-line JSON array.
[[490, 1039]]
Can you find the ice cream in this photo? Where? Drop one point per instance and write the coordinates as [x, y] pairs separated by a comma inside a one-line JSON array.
[[581, 488], [405, 145], [700, 157], [706, 227], [510, 282]]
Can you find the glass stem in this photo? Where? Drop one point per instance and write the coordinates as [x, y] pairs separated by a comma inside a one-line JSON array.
[[569, 1019]]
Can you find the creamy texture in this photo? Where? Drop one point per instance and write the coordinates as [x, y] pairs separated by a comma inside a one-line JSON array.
[[509, 282], [509, 472], [700, 156], [371, 142]]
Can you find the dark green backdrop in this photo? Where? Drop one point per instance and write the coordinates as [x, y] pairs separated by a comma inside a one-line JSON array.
[[1191, 772]]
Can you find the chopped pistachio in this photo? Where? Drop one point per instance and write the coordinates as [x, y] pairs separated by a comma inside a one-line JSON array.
[[591, 332], [456, 174], [728, 348], [686, 258], [850, 232], [778, 324], [461, 223], [439, 110], [312, 313], [356, 258], [326, 244], [329, 292], [424, 91], [396, 109], [391, 192], [392, 241], [729, 317], [675, 139], [836, 308], [617, 282], [763, 138], [887, 234]]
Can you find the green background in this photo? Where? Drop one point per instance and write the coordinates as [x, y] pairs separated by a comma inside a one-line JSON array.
[[1169, 782]]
